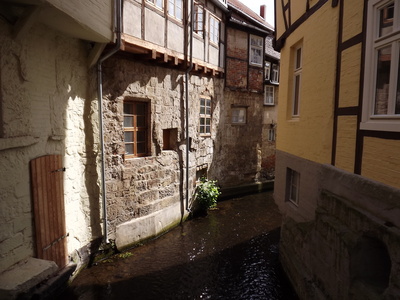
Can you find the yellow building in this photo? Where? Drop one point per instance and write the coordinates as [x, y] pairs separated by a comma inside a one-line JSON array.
[[337, 171]]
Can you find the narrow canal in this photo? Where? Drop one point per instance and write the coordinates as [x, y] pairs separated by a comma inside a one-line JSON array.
[[232, 253]]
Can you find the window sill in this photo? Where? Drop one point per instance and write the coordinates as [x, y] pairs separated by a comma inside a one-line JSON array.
[[17, 142], [269, 104], [381, 125]]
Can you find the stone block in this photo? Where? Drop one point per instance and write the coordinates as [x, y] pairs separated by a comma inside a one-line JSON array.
[[24, 276]]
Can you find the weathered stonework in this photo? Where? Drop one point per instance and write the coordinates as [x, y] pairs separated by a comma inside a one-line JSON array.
[[141, 187], [46, 109], [342, 239]]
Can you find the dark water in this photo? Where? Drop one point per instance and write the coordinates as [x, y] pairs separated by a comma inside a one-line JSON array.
[[230, 254]]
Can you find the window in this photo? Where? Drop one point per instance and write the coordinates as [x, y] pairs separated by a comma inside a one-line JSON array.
[[267, 70], [271, 135], [214, 30], [175, 8], [269, 95], [205, 116], [256, 50], [239, 115], [381, 106], [275, 73], [199, 20], [292, 186], [297, 81], [136, 129], [158, 3]]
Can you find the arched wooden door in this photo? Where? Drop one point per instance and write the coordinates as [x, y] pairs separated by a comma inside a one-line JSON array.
[[49, 213]]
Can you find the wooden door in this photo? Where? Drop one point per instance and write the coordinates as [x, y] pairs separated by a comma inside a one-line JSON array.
[[49, 213]]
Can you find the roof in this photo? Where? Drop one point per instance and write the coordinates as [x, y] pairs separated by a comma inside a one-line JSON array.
[[247, 12]]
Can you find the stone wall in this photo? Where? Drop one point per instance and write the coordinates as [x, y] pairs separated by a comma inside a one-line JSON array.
[[239, 162], [351, 248], [139, 188], [45, 109]]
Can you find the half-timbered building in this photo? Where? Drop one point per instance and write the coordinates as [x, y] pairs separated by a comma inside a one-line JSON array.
[[337, 175], [162, 95], [248, 109]]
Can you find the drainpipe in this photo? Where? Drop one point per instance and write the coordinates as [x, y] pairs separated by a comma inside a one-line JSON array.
[[187, 103], [117, 15]]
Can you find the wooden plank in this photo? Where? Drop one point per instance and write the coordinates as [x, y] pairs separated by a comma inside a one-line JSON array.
[[48, 199]]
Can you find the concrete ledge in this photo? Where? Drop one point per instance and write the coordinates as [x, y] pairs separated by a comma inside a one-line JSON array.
[[140, 229], [246, 189], [21, 278]]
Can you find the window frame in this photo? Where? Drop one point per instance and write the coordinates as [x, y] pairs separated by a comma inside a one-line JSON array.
[[197, 30], [266, 87], [274, 78], [375, 41], [205, 116], [154, 2], [258, 47], [292, 181], [174, 4], [214, 31], [271, 134], [239, 121], [297, 74], [267, 70], [135, 128]]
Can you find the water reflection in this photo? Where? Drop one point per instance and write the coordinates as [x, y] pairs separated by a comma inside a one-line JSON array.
[[230, 254]]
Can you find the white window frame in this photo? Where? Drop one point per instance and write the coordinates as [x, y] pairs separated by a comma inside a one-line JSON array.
[[205, 116], [389, 121], [256, 45], [271, 134], [214, 29], [199, 22], [174, 8], [267, 70], [239, 115], [298, 68], [275, 73], [293, 186], [157, 3], [268, 99]]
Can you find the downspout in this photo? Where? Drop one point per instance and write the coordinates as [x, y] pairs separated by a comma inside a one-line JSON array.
[[117, 15], [188, 70]]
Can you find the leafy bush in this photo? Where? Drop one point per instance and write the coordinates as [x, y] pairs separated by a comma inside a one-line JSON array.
[[207, 193]]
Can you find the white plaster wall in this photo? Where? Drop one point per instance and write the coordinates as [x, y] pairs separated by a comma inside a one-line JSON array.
[[154, 27], [175, 37], [44, 88], [132, 19]]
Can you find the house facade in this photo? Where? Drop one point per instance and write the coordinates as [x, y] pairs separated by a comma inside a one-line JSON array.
[[162, 97], [249, 104], [337, 180], [49, 187]]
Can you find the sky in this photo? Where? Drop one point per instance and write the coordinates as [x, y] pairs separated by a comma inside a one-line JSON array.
[[255, 6]]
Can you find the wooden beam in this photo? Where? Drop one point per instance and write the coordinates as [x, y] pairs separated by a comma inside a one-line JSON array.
[[26, 21], [95, 53]]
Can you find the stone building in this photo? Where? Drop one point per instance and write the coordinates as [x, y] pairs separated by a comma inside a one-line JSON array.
[[337, 170], [162, 98], [246, 140], [77, 172], [48, 119]]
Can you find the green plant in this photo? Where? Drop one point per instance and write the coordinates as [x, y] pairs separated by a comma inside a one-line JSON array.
[[207, 193]]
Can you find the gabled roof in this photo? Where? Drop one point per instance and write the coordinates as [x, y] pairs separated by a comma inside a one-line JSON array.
[[247, 13]]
